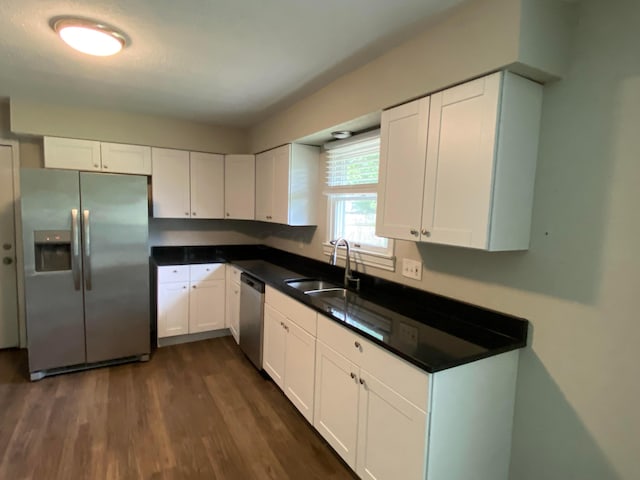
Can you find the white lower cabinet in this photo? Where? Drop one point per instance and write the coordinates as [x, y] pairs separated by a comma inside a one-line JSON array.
[[173, 309], [289, 348], [336, 402], [191, 299], [232, 314]]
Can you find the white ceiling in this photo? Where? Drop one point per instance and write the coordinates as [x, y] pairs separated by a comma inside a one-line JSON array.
[[229, 62]]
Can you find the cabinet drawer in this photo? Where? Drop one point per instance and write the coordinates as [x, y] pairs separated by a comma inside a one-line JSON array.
[[404, 378], [235, 274], [207, 271], [173, 273], [292, 309]]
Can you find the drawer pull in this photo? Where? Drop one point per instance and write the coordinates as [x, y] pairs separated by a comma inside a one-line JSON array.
[[357, 345]]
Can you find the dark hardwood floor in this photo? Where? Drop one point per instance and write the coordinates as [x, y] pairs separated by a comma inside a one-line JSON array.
[[195, 411]]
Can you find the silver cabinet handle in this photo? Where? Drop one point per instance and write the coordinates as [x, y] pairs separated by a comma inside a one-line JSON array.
[[184, 287], [75, 249], [193, 286], [363, 383], [87, 249], [426, 232], [8, 261], [228, 214], [193, 214], [282, 324], [105, 166], [357, 345], [186, 213], [414, 232], [7, 246], [96, 165]]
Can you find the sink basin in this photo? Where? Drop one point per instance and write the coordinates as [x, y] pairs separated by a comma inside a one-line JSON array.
[[328, 292], [307, 285]]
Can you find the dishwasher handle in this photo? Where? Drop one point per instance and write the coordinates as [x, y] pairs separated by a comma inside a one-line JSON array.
[[252, 282]]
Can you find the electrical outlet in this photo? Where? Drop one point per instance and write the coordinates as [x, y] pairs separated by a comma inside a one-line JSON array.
[[411, 269]]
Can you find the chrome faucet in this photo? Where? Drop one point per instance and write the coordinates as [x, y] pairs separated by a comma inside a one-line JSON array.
[[348, 277]]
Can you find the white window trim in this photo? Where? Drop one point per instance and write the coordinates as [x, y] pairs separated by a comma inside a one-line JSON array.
[[363, 257]]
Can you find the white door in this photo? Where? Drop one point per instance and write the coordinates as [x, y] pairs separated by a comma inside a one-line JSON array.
[[207, 185], [240, 187], [275, 338], [170, 183], [403, 150], [300, 366], [206, 306], [460, 157], [264, 185], [392, 434], [8, 281], [336, 402], [281, 163], [121, 158], [173, 309]]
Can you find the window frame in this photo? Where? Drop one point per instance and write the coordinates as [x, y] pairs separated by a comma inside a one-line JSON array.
[[368, 255]]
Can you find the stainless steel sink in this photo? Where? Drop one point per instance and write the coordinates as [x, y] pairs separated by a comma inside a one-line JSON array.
[[317, 288], [307, 285]]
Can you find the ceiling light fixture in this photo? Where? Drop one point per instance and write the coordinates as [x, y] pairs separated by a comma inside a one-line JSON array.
[[340, 134], [87, 36]]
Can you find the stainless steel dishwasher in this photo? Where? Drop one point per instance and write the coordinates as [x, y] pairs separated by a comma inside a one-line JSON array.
[[251, 318]]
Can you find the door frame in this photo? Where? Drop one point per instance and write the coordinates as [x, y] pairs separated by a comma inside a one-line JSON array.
[[17, 221]]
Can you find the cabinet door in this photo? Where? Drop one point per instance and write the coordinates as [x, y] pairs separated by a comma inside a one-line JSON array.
[[170, 183], [207, 185], [71, 153], [206, 306], [280, 192], [173, 309], [275, 337], [121, 158], [264, 185], [392, 434], [240, 187], [403, 148], [460, 158], [300, 365], [336, 402], [234, 325]]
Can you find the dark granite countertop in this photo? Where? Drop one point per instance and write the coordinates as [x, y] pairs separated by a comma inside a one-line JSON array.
[[430, 331]]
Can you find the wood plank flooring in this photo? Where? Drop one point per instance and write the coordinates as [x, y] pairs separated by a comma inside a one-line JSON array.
[[195, 411]]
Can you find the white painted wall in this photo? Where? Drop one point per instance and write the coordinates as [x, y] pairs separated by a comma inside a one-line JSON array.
[[577, 412]]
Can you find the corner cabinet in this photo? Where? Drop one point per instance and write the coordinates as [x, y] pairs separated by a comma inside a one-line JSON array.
[[287, 185], [458, 167], [187, 184], [191, 299], [240, 187], [93, 156]]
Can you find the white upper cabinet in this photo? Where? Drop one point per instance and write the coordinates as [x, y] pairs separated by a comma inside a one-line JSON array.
[[95, 156], [170, 183], [477, 152], [287, 185], [403, 145], [240, 186], [121, 158], [187, 184], [207, 185]]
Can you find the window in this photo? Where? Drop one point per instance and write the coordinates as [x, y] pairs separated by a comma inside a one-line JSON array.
[[352, 181]]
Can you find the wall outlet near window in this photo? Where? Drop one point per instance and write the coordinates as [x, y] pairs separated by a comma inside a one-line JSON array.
[[411, 269]]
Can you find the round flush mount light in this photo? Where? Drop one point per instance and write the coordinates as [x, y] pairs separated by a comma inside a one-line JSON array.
[[87, 36], [341, 134]]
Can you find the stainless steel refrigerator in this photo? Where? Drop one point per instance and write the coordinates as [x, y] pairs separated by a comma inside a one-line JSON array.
[[86, 268]]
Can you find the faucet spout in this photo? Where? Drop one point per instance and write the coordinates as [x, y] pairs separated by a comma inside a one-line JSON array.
[[347, 265]]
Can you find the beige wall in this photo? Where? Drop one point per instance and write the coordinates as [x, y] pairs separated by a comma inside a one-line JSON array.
[[578, 390], [171, 232], [30, 118], [479, 37]]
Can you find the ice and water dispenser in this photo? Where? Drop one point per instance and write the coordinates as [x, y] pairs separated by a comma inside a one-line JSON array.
[[53, 250]]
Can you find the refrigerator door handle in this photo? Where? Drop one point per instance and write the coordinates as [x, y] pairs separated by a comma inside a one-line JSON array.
[[87, 249], [75, 249]]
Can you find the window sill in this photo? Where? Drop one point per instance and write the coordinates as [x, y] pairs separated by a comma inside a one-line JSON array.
[[370, 259]]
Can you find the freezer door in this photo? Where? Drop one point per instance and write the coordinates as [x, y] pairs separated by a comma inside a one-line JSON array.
[[116, 265], [50, 203]]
